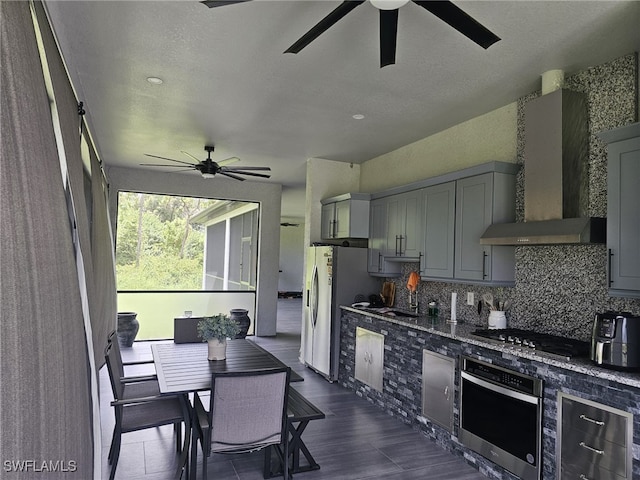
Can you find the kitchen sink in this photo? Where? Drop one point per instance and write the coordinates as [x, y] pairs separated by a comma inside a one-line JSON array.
[[392, 312], [400, 313]]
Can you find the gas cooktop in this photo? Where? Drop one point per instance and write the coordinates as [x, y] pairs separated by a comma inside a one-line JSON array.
[[561, 347]]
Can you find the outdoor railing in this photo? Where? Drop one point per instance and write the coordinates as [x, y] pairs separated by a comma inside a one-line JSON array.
[[156, 309]]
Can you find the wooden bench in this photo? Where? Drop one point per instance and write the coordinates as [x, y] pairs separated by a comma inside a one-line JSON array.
[[300, 411]]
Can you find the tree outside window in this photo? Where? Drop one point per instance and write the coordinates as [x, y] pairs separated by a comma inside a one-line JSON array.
[[165, 242]]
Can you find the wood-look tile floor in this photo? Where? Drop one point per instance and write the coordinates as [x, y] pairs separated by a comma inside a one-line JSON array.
[[355, 441]]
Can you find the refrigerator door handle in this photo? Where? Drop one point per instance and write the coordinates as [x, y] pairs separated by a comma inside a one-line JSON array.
[[314, 297]]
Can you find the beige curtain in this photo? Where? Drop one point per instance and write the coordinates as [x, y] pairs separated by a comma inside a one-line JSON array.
[[88, 217], [103, 252], [45, 396]]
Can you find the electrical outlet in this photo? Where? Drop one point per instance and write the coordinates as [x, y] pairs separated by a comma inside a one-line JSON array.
[[470, 298]]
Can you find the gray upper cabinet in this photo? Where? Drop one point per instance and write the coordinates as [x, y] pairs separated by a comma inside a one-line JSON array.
[[438, 222], [403, 236], [438, 216], [345, 216], [623, 210], [377, 265], [480, 201]]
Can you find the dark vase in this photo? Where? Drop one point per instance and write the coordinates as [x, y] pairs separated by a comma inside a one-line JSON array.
[[240, 316], [128, 327]]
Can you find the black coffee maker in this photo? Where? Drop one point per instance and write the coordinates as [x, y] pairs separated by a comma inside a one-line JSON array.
[[615, 342]]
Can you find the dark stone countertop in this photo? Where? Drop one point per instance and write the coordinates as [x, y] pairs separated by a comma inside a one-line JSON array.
[[462, 332]]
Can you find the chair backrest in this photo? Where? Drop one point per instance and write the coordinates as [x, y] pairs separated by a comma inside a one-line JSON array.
[[248, 410], [115, 368], [185, 330]]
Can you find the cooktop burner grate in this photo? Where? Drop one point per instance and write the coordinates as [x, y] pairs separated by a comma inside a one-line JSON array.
[[565, 348]]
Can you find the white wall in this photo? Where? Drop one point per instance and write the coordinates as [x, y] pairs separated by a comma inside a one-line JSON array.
[[291, 256], [492, 136], [267, 194]]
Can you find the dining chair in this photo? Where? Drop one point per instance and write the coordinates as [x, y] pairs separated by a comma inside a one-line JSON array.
[[247, 412], [139, 405], [112, 338], [133, 386]]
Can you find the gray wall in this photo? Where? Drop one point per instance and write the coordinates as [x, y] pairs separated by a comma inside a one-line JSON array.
[[266, 194]]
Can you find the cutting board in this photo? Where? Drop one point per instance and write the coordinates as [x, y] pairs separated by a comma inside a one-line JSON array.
[[388, 293]]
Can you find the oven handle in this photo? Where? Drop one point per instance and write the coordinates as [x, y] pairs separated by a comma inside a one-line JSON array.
[[504, 391]]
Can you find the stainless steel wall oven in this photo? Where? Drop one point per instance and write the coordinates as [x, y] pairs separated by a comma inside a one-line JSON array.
[[501, 416]]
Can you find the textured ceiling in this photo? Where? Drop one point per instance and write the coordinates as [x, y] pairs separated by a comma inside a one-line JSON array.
[[228, 83]]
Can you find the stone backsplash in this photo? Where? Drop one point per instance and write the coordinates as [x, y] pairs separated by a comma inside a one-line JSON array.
[[558, 289]]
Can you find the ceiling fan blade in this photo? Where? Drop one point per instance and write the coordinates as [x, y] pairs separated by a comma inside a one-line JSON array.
[[168, 166], [388, 36], [227, 161], [323, 25], [221, 3], [170, 159], [240, 172], [233, 169], [191, 156], [458, 19], [227, 174]]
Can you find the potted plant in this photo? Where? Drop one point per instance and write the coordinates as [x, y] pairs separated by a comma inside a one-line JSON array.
[[215, 330]]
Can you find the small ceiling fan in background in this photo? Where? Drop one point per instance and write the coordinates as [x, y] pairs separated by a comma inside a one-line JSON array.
[[209, 169], [443, 9]]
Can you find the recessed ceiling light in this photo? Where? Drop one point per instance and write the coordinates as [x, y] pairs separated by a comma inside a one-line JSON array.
[[358, 116], [154, 80]]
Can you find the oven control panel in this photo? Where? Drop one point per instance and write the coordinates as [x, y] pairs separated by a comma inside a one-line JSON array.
[[502, 376]]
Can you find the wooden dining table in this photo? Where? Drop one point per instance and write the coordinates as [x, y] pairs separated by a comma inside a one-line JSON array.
[[184, 368]]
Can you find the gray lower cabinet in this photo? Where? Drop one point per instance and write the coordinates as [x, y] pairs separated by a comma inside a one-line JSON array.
[[480, 201], [438, 373], [623, 217], [369, 358], [594, 440]]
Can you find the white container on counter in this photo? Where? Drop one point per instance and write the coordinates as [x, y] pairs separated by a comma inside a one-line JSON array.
[[497, 319]]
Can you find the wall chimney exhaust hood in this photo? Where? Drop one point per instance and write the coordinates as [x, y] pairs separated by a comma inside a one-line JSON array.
[[556, 183]]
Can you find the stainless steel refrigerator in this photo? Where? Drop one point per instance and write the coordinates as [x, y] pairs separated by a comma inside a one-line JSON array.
[[334, 276]]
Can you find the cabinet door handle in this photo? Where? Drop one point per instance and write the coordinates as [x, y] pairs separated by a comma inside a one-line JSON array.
[[379, 261], [334, 228], [401, 249], [484, 263], [446, 392], [397, 237], [420, 264], [591, 449], [609, 263], [597, 422]]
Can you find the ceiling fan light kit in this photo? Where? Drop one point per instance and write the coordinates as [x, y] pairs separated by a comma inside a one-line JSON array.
[[388, 4], [443, 9]]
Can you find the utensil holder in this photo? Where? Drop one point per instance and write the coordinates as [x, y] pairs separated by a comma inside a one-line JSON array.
[[497, 319]]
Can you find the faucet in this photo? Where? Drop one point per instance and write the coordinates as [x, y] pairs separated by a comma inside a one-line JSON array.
[[413, 302]]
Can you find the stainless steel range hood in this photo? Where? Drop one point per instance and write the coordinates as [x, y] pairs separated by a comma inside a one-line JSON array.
[[547, 232], [556, 183]]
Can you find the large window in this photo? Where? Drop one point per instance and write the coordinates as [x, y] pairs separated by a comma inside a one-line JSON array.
[[184, 243]]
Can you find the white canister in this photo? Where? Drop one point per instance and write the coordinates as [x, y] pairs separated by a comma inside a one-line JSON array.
[[497, 319]]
